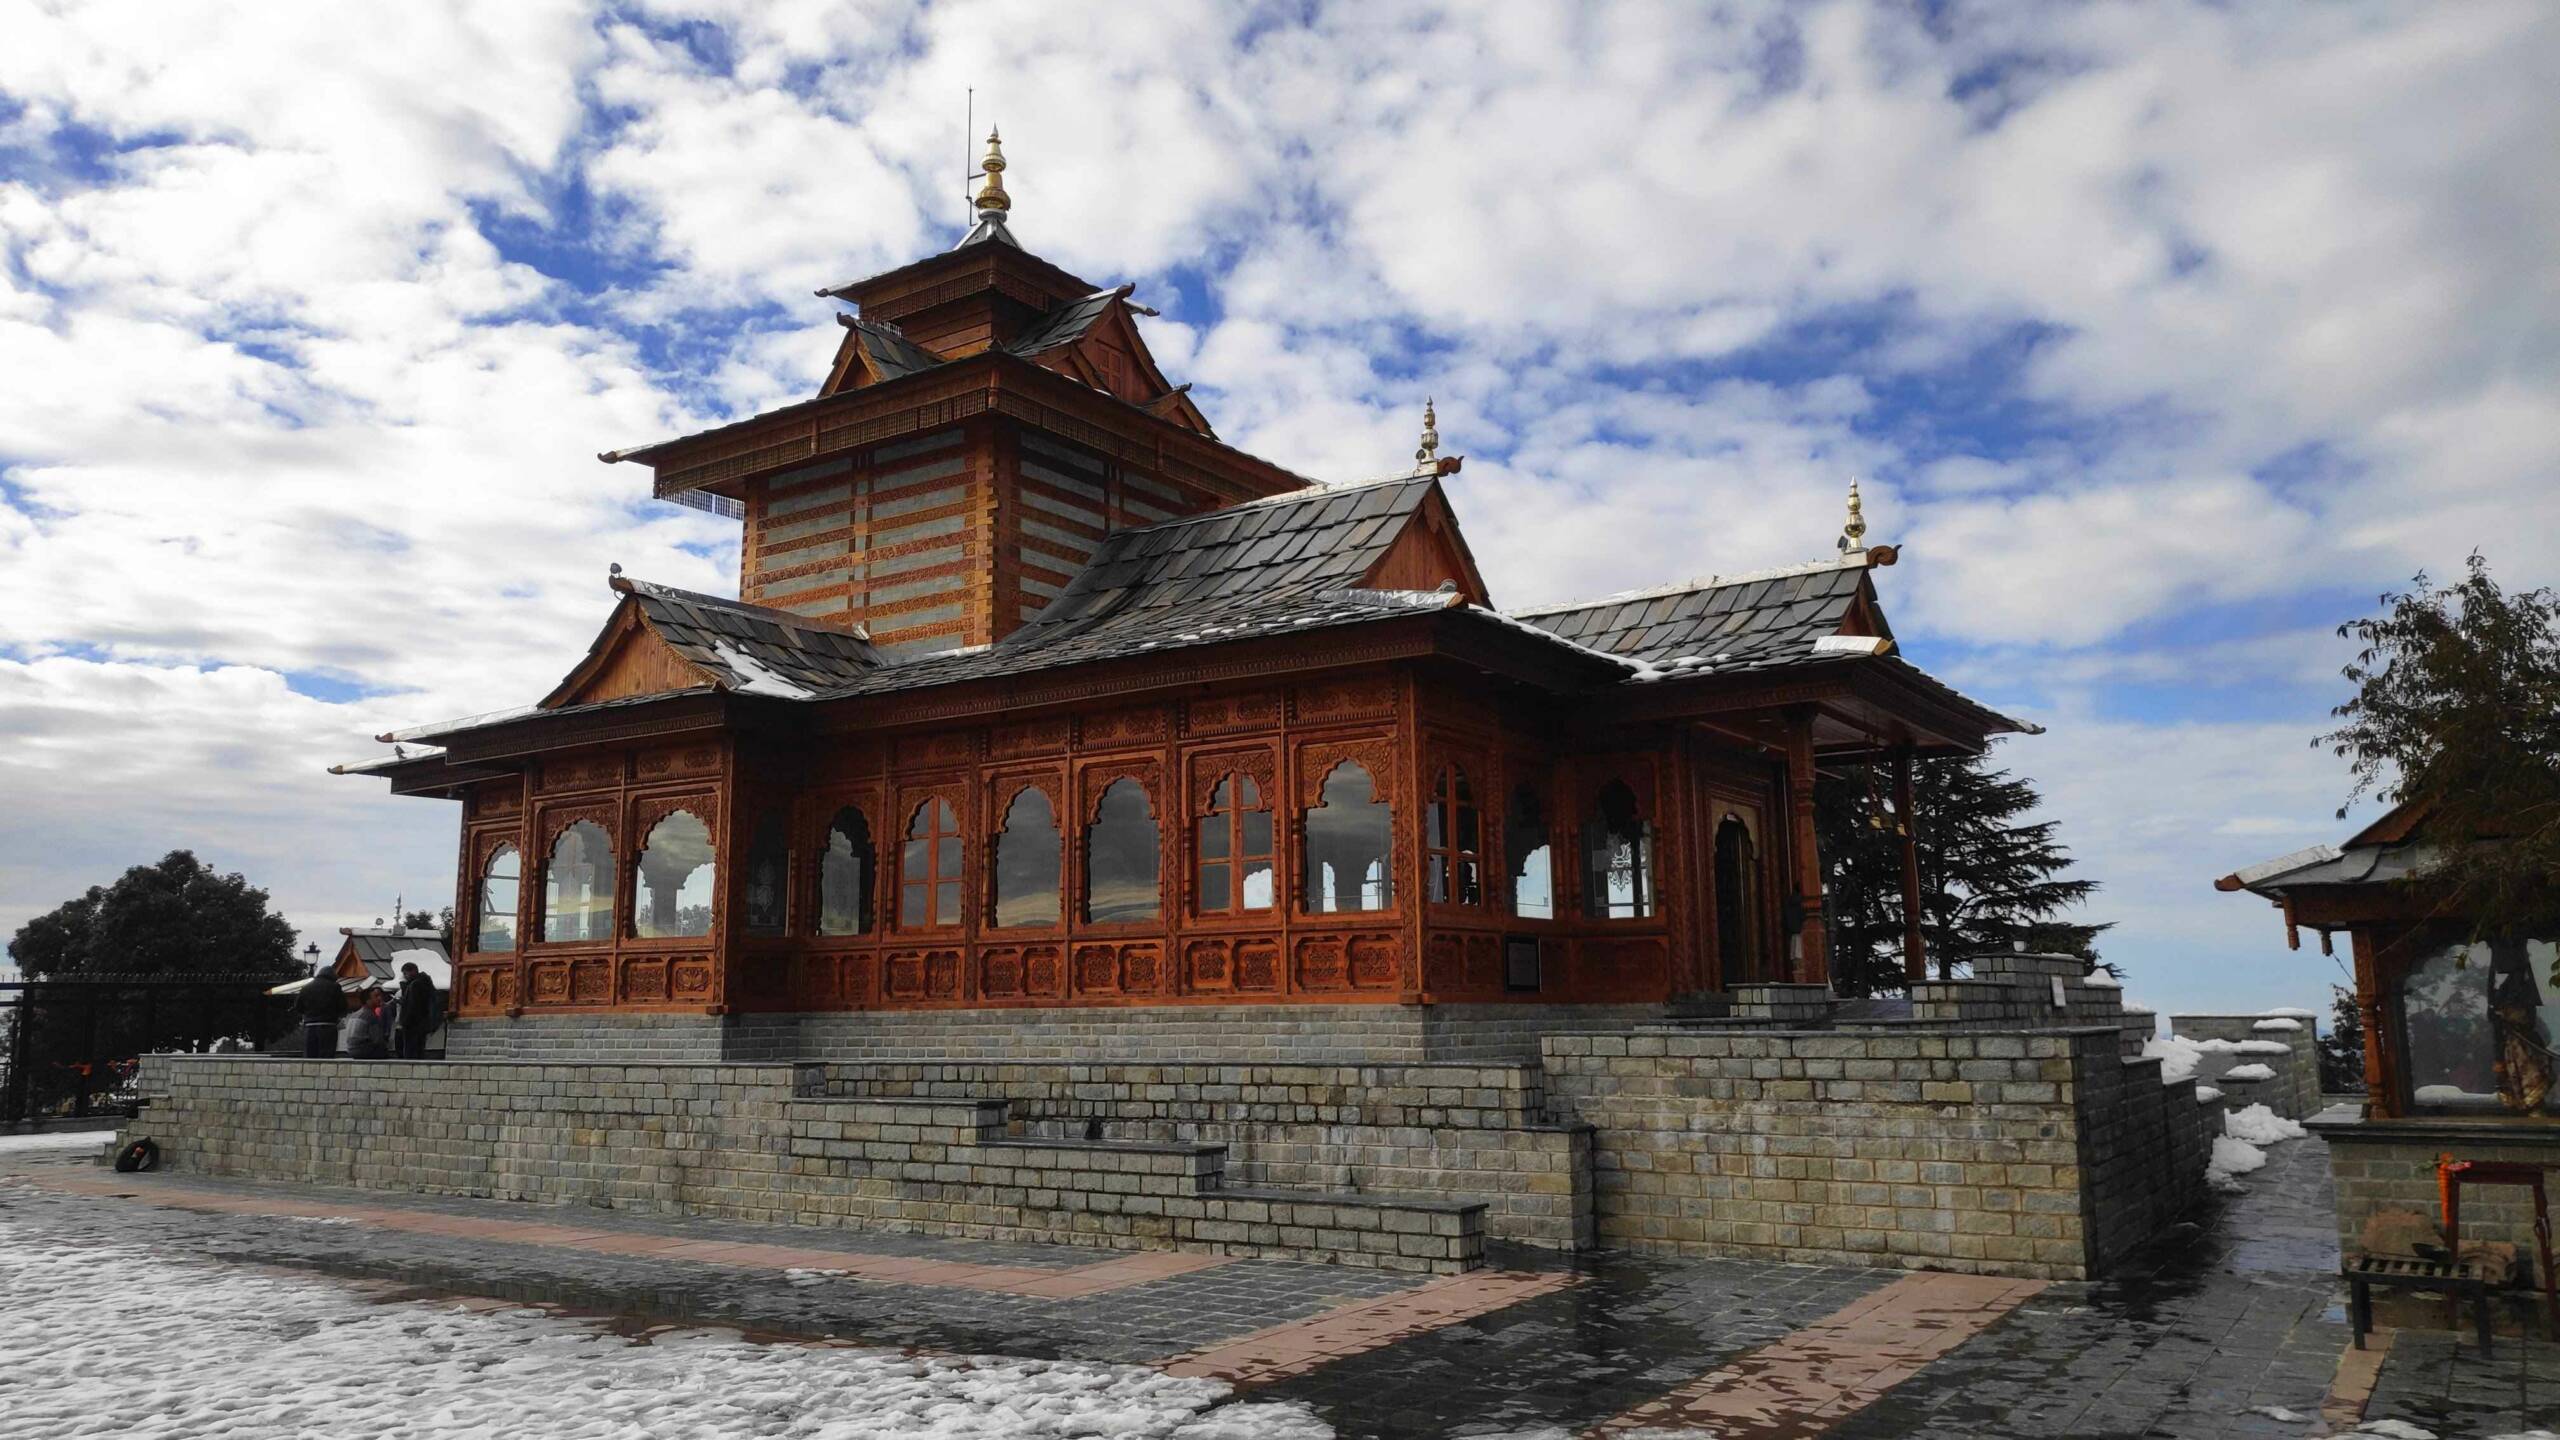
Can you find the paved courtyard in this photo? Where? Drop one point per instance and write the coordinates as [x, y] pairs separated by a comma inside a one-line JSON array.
[[2231, 1329]]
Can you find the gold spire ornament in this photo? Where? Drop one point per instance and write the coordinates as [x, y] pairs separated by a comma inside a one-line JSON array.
[[1853, 535], [991, 197], [1430, 450]]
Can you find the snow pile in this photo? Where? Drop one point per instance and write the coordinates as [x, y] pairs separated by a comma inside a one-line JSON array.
[[55, 1140], [2279, 1024], [2178, 1057], [2101, 980], [754, 676], [248, 1354], [2260, 1126], [2285, 1013], [2452, 1095], [2248, 1072], [2231, 1160], [2261, 1047], [2206, 1094], [2394, 1430]]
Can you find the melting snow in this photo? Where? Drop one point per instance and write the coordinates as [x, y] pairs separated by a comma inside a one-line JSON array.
[[2101, 980], [2281, 1022], [2394, 1430], [2231, 1160], [2178, 1057], [2260, 1126], [754, 677], [2249, 1072], [56, 1140], [250, 1354]]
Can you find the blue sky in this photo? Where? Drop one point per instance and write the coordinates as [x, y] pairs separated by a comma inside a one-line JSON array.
[[2161, 337]]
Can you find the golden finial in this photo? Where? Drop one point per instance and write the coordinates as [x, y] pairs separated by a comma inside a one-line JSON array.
[[991, 196], [1853, 535], [1430, 436]]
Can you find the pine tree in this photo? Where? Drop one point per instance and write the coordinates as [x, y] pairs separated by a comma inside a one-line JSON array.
[[1989, 880]]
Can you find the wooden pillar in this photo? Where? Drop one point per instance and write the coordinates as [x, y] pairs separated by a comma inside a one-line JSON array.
[[1813, 936], [1915, 959], [2381, 1087]]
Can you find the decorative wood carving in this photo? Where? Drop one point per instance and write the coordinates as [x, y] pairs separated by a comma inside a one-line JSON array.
[[1000, 973], [591, 981], [902, 975], [556, 818], [1097, 969], [1322, 963], [691, 979], [581, 772], [1003, 785], [1210, 767], [1358, 697], [1444, 963], [1206, 965], [497, 800], [647, 811], [942, 974], [1632, 965], [669, 761], [937, 748], [479, 990], [1230, 714], [1377, 961], [1100, 776], [503, 988], [644, 980], [1258, 965], [1484, 962], [1031, 737], [1318, 759], [1141, 968], [1044, 971], [1122, 728]]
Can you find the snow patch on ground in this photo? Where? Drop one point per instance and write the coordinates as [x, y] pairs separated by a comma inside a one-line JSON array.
[[2248, 1072], [2260, 1126], [2232, 1159], [253, 1354], [2178, 1057], [56, 1140], [2395, 1430]]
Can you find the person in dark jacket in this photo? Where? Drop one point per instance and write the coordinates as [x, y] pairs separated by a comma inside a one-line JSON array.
[[321, 1004], [416, 1014], [367, 1032]]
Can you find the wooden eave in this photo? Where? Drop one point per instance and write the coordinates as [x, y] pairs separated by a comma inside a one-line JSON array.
[[724, 460], [1871, 709], [625, 626], [682, 712], [918, 285]]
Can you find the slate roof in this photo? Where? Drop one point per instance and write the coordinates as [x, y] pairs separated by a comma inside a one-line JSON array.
[[1751, 622], [1066, 324], [749, 647], [2328, 865], [889, 350]]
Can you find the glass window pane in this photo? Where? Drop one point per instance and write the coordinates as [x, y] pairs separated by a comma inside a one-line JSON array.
[[1526, 857], [1533, 886], [1257, 885], [578, 881], [949, 863], [1213, 836], [1436, 877], [1257, 828], [1248, 794], [1348, 838], [1120, 857], [1618, 856], [768, 879], [1434, 827], [1470, 882], [1213, 887], [2452, 1050], [676, 873], [844, 876], [914, 903], [496, 931], [1027, 861], [946, 903]]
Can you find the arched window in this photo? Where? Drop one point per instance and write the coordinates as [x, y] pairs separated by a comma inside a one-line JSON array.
[[1234, 844], [844, 876], [496, 930], [577, 897], [1349, 836], [1529, 857], [768, 878], [1617, 850], [676, 871], [1120, 849], [1737, 903], [1027, 862], [929, 867], [1453, 865]]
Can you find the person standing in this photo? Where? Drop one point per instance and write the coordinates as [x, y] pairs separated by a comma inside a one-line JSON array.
[[368, 1029], [321, 1004], [415, 1015]]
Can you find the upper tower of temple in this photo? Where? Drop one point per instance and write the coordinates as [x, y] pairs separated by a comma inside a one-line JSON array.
[[987, 419]]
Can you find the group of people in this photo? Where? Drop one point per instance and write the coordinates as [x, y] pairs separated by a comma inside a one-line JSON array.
[[375, 1024]]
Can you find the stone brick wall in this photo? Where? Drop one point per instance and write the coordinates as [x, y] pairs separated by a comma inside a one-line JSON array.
[[736, 1141], [2391, 1165], [1919, 1147], [1475, 1132], [599, 1035], [2294, 1092]]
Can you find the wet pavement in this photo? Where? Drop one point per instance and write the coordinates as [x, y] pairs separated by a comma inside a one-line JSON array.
[[2231, 1328]]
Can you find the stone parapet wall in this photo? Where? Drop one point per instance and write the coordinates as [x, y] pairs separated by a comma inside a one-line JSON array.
[[2391, 1165], [736, 1141], [595, 1035], [1921, 1148], [1476, 1132], [2295, 1091]]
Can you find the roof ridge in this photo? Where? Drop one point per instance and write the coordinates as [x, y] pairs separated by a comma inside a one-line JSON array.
[[761, 612], [1316, 491], [1705, 582]]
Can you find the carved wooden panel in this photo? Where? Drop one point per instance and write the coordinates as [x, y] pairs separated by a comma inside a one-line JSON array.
[[1030, 737], [644, 980], [550, 982], [1257, 966], [1141, 968], [1003, 785], [580, 772], [690, 979], [1209, 767], [1097, 969], [1098, 777], [920, 974], [503, 988], [1322, 963], [671, 761], [497, 800], [1357, 697], [1207, 965], [1318, 759], [937, 748], [1377, 961], [591, 981], [1484, 962], [1444, 962], [1231, 714], [556, 818], [646, 812], [1122, 728], [942, 974], [479, 990], [1636, 964]]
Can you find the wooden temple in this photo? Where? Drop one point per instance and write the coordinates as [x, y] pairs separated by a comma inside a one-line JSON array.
[[1036, 693]]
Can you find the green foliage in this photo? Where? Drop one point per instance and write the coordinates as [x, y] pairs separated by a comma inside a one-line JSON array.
[[2457, 710], [1989, 878], [2341, 1051], [176, 917]]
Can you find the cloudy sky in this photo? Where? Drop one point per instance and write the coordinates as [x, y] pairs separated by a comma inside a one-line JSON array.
[[2162, 336]]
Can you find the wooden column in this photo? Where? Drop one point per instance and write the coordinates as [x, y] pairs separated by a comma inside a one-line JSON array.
[[2381, 1085], [1915, 960], [1813, 959]]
